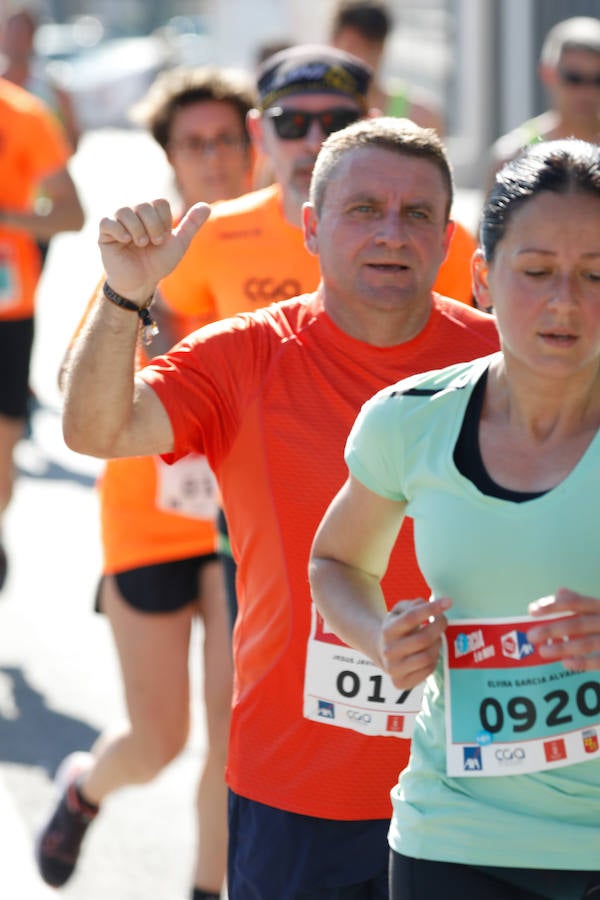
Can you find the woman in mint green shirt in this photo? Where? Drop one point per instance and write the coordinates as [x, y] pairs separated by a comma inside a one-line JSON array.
[[498, 463]]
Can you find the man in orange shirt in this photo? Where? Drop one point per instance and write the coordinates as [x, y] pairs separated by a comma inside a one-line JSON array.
[[363, 27], [22, 66], [270, 397], [33, 161], [569, 70]]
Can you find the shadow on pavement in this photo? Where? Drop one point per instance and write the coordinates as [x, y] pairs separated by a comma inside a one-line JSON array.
[[31, 733], [37, 452], [57, 472]]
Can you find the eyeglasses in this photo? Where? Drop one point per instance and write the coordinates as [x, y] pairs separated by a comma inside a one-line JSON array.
[[196, 145], [293, 124], [578, 79]]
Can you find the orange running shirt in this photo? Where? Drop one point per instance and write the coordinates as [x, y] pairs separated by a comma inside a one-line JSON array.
[[32, 147], [137, 530], [150, 512], [454, 275], [270, 397]]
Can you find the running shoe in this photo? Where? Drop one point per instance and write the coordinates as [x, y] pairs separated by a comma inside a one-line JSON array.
[[59, 841]]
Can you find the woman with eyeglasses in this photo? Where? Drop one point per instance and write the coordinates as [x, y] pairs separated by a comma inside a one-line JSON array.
[[160, 568], [198, 117], [497, 462], [569, 70]]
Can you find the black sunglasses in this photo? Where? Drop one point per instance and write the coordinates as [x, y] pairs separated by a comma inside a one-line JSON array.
[[292, 124], [577, 79]]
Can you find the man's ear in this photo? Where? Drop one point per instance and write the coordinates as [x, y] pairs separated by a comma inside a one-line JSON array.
[[548, 76], [479, 273], [254, 124], [310, 224], [450, 229]]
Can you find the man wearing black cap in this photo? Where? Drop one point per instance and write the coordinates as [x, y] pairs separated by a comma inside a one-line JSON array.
[[292, 120]]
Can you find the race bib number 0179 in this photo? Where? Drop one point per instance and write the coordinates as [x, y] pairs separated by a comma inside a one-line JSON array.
[[343, 687], [509, 710]]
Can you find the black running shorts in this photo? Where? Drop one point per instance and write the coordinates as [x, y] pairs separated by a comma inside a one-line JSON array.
[[163, 587], [16, 342], [424, 879]]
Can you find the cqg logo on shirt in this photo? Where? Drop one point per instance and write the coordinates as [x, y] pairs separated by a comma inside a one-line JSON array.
[[262, 291]]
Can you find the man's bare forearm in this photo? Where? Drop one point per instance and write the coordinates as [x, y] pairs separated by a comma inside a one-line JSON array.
[[57, 210], [46, 220], [99, 382], [106, 413]]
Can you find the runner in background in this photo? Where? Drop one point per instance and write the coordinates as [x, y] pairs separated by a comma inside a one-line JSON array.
[[362, 27], [17, 47], [497, 463], [34, 157], [17, 53], [569, 69], [160, 569]]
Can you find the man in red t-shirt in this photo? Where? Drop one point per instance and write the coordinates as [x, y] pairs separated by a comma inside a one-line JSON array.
[[251, 252], [270, 397]]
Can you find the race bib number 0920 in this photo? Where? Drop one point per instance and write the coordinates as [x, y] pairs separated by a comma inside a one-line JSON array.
[[509, 710]]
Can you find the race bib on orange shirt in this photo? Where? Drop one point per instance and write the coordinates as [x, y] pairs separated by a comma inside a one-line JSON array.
[[343, 687], [188, 488], [508, 710]]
